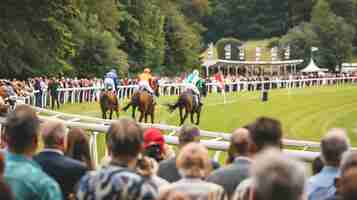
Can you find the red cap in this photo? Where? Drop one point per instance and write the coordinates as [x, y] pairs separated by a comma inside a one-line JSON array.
[[153, 136]]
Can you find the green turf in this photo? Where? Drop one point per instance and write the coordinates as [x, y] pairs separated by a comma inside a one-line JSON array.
[[305, 113]]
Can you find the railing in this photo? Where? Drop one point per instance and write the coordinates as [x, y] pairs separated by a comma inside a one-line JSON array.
[[96, 130], [91, 94], [219, 142]]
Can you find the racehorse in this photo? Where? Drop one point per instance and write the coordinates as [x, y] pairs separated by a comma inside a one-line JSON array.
[[109, 102], [186, 102], [143, 100]]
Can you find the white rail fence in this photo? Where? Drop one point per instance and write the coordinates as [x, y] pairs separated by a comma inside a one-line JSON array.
[[219, 142], [91, 94], [96, 130]]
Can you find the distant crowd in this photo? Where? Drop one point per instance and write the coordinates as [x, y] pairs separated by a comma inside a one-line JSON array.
[[140, 165]]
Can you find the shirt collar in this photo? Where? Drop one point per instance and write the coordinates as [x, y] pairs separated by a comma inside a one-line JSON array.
[[53, 151]]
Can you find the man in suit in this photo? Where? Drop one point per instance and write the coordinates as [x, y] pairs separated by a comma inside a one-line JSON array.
[[167, 168], [230, 176], [66, 171]]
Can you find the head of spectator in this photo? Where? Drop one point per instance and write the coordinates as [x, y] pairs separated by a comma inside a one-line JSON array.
[[22, 129], [53, 135], [239, 145], [317, 165], [154, 143], [119, 180], [265, 132], [187, 134], [333, 145], [277, 177], [78, 147], [193, 161], [125, 142], [347, 182]]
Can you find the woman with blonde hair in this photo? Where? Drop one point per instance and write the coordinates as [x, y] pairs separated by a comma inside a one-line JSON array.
[[194, 165]]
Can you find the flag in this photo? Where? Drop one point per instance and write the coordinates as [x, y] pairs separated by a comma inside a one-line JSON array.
[[314, 49]]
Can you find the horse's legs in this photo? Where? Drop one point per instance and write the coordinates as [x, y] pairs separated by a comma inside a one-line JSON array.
[[104, 114], [181, 116], [133, 113], [152, 117], [141, 116], [146, 117], [111, 114], [185, 117], [198, 117], [192, 115]]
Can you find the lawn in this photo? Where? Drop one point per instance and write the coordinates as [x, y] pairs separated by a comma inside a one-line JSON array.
[[306, 114]]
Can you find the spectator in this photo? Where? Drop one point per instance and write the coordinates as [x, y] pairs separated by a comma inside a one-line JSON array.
[[347, 182], [194, 165], [333, 145], [78, 147], [264, 133], [25, 177], [154, 144], [119, 180], [167, 168], [229, 177], [276, 177], [53, 87], [317, 165], [66, 171]]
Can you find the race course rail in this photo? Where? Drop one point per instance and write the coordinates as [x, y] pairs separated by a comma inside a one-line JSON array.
[[219, 142]]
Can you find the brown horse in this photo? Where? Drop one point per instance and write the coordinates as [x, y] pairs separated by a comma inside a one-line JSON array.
[[109, 102], [186, 103], [145, 102]]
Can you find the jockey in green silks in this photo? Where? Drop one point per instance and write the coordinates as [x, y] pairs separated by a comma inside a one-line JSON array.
[[193, 82]]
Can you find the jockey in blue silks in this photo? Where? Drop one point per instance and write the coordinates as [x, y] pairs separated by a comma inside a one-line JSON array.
[[111, 80], [191, 83]]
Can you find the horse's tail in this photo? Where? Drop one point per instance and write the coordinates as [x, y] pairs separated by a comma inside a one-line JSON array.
[[172, 107], [127, 106]]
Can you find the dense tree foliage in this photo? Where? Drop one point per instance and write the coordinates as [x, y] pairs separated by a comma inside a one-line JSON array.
[[89, 37], [332, 34]]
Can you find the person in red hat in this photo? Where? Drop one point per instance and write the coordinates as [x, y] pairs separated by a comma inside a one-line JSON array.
[[154, 144]]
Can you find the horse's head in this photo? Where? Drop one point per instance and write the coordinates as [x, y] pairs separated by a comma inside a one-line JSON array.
[[154, 84], [202, 87]]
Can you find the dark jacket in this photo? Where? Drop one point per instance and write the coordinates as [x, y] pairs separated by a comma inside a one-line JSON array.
[[231, 176], [66, 171], [168, 170]]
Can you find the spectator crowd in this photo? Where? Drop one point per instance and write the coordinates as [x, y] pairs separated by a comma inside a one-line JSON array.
[[140, 165]]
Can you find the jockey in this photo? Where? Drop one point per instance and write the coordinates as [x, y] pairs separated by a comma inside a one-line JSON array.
[[191, 84], [110, 80], [144, 81]]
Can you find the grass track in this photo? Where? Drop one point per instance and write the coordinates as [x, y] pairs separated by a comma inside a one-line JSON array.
[[306, 114]]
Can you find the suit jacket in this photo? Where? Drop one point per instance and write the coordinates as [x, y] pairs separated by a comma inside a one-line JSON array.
[[232, 175], [66, 171], [168, 170]]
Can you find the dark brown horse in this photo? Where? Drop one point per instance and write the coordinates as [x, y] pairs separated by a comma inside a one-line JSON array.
[[109, 102], [187, 105], [145, 102]]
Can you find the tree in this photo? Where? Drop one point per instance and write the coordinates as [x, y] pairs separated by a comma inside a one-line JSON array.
[[35, 36], [335, 34]]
